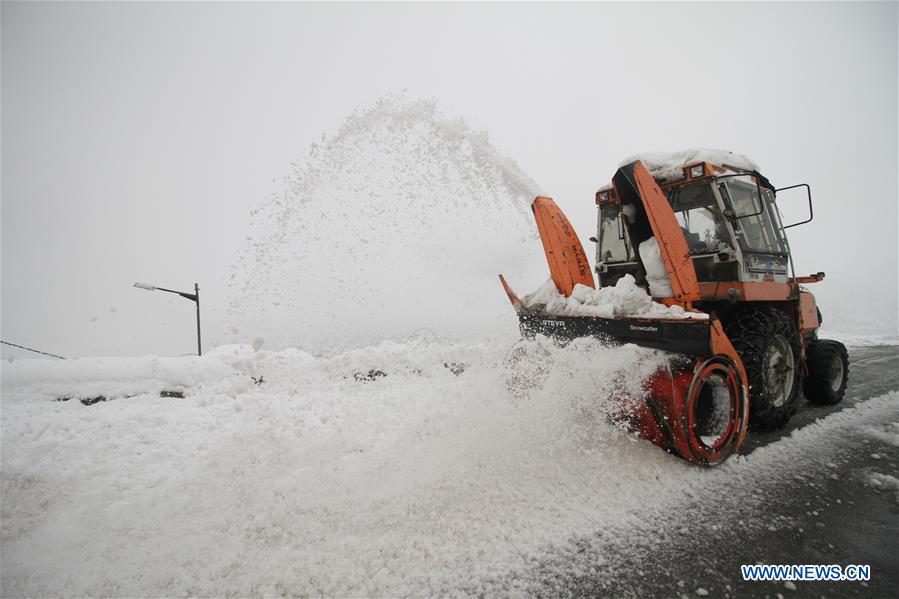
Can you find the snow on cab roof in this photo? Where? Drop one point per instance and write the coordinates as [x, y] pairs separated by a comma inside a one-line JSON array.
[[669, 165]]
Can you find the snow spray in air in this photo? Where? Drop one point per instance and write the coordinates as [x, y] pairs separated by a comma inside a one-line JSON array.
[[400, 220]]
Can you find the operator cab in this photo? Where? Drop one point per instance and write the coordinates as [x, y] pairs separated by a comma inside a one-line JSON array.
[[729, 219]]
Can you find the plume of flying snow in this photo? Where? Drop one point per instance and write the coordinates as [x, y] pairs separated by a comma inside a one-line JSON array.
[[400, 220]]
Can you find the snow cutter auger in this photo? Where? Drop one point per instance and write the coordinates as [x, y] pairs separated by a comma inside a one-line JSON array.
[[701, 231]]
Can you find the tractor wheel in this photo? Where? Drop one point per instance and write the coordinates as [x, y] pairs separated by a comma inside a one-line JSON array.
[[828, 372], [768, 344]]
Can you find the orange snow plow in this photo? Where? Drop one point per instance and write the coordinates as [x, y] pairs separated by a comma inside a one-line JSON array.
[[706, 241]]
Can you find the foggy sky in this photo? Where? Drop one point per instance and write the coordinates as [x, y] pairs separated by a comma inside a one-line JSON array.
[[136, 138]]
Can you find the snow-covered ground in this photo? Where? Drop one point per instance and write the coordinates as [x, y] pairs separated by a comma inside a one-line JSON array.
[[851, 340], [406, 468]]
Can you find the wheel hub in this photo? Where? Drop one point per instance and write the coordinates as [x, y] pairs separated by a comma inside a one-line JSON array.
[[838, 373], [779, 369]]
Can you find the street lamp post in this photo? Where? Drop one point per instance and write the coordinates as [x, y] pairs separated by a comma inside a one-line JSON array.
[[194, 297]]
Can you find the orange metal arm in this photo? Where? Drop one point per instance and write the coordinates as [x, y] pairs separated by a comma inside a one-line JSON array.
[[565, 255], [516, 301], [673, 246], [653, 217], [815, 278]]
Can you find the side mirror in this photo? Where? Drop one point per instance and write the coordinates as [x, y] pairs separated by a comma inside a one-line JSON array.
[[808, 191]]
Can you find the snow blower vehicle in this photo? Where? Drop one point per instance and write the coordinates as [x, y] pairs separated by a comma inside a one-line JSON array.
[[702, 233]]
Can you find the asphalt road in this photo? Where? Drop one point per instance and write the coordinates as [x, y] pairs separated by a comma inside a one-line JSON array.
[[822, 512]]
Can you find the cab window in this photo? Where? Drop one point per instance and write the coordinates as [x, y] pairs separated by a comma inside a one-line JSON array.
[[613, 245], [753, 215]]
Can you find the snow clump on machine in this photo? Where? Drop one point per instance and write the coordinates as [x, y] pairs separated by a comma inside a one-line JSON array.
[[625, 299], [656, 274], [668, 166]]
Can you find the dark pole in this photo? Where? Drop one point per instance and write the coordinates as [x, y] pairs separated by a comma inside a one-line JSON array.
[[194, 297], [197, 293]]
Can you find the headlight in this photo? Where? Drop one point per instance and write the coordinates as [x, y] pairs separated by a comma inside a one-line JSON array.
[[697, 171]]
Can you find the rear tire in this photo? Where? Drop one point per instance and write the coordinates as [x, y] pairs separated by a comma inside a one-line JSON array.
[[828, 372], [768, 345]]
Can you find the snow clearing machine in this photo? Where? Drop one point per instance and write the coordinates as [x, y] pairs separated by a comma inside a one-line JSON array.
[[702, 233]]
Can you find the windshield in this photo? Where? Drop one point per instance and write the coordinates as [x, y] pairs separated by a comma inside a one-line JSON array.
[[697, 213], [753, 217], [613, 246]]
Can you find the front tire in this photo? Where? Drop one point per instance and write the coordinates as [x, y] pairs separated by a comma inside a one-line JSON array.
[[768, 345], [828, 372]]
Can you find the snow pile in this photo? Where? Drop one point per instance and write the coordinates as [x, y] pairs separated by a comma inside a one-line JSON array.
[[656, 273], [884, 482], [625, 299], [400, 220], [325, 479], [886, 434], [113, 377], [668, 166]]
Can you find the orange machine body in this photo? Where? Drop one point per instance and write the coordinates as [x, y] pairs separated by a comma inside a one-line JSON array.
[[698, 406]]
